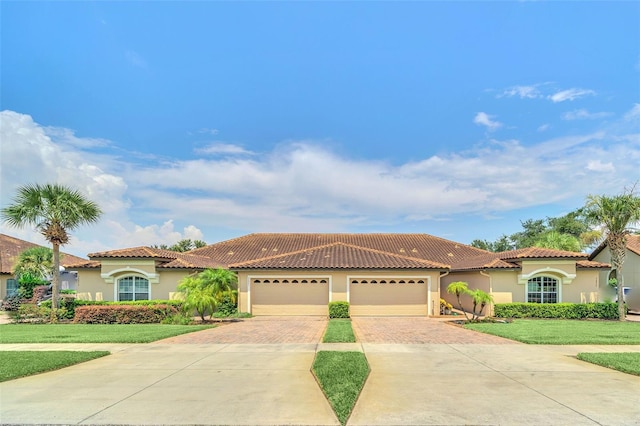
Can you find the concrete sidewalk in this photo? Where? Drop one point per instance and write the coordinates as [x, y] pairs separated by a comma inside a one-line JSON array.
[[258, 384]]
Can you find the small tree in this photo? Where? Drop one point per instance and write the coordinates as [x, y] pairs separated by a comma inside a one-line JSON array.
[[205, 291], [459, 288], [480, 299], [35, 261]]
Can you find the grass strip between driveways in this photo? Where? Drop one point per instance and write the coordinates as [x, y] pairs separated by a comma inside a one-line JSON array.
[[92, 333], [564, 332], [341, 376], [627, 362], [339, 331], [15, 364]]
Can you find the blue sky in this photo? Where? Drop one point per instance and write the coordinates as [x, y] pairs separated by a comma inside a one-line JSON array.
[[210, 120]]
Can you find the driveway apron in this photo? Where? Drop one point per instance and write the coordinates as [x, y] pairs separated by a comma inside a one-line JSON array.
[[179, 383], [454, 378]]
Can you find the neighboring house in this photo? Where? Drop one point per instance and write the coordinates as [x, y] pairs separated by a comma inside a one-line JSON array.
[[10, 249], [379, 274], [630, 270]]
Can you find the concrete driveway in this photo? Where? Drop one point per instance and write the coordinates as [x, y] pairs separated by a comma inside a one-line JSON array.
[[445, 376], [178, 384]]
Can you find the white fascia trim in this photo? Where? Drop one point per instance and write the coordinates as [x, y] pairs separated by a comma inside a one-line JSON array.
[[279, 276], [565, 277], [110, 277]]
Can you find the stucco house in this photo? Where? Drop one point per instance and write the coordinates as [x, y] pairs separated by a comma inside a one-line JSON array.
[[10, 249], [379, 274], [630, 270]]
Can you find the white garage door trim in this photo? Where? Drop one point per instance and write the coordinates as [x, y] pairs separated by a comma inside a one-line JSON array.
[[285, 277], [393, 277]]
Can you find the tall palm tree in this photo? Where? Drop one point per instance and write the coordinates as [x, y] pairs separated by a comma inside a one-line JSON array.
[[53, 210], [616, 214]]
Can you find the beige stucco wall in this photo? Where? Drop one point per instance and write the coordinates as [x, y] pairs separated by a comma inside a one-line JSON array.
[[393, 301], [577, 285], [631, 275], [96, 281]]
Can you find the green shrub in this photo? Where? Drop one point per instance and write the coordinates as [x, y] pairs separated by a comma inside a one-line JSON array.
[[226, 307], [557, 310], [123, 314], [27, 282], [178, 319], [339, 309]]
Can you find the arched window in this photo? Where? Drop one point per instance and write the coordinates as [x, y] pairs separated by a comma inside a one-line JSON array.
[[133, 288], [542, 289]]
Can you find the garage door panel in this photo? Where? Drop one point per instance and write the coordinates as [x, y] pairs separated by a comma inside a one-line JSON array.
[[389, 299], [289, 298]]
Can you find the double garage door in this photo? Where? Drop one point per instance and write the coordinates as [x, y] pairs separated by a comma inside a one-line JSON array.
[[388, 296], [368, 296], [290, 296]]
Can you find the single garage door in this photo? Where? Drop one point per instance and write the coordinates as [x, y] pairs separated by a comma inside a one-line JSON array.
[[289, 296], [388, 297]]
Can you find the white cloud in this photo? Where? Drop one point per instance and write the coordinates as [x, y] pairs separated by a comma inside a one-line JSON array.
[[523, 92], [570, 94], [633, 114], [135, 59], [544, 127], [484, 119], [583, 114], [304, 186], [222, 148], [208, 131], [599, 166]]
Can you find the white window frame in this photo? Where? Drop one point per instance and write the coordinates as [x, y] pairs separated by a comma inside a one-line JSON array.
[[116, 287], [558, 281]]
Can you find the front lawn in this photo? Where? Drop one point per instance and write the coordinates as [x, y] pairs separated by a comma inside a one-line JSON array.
[[339, 331], [341, 376], [92, 333], [627, 362], [564, 332], [15, 364]]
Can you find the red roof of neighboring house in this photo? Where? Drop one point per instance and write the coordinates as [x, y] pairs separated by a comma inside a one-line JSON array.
[[633, 244], [169, 259], [11, 247], [588, 264], [540, 253]]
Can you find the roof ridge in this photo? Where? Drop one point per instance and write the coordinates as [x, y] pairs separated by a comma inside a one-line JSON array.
[[340, 243]]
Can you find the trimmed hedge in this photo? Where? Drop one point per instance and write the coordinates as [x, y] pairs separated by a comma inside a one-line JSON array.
[[123, 314], [339, 309], [557, 310]]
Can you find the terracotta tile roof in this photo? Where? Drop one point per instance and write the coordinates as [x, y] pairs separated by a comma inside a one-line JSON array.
[[485, 261], [540, 253], [84, 264], [135, 252], [10, 249], [338, 256], [633, 244], [170, 259], [258, 246], [588, 264]]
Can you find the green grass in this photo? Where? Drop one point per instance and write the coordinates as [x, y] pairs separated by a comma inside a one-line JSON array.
[[339, 331], [15, 364], [564, 332], [341, 376], [92, 333], [627, 362]]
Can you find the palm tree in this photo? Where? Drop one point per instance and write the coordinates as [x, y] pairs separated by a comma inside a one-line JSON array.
[[203, 292], [36, 261], [558, 241], [459, 288], [480, 298], [54, 210], [616, 214]]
